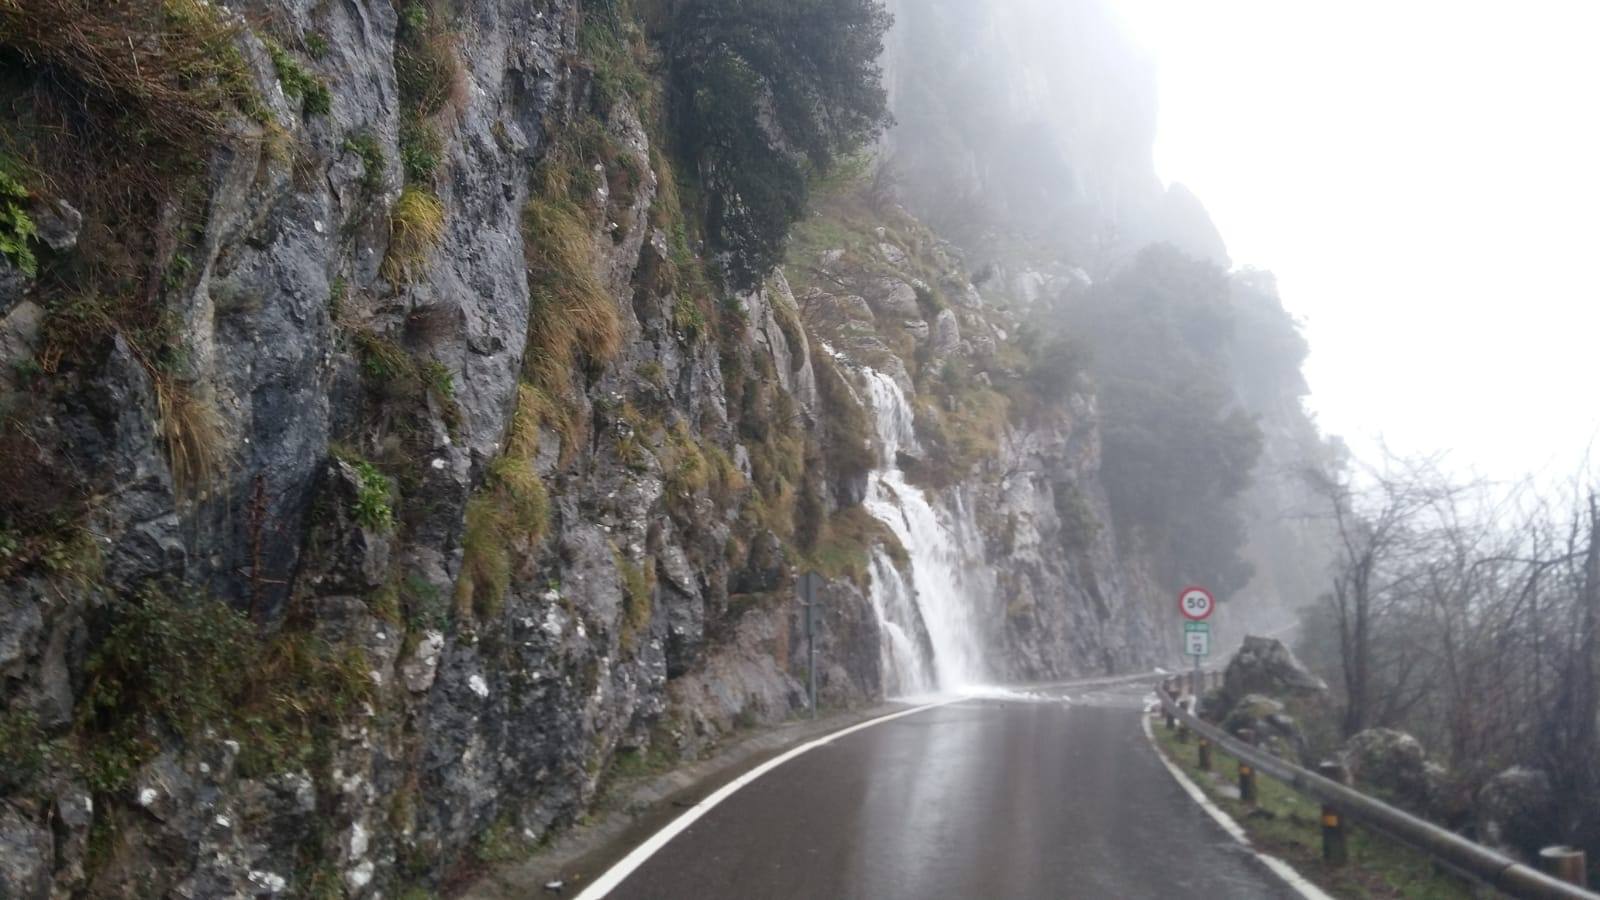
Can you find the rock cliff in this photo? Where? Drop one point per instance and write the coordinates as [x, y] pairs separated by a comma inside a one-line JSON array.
[[386, 466]]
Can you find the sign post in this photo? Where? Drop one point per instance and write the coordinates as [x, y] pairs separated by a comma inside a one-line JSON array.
[[809, 582], [1196, 604]]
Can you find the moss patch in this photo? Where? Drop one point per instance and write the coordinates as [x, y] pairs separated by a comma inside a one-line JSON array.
[[168, 662], [511, 510], [298, 83]]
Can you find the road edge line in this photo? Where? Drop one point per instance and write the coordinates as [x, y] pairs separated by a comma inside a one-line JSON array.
[[1301, 885], [619, 872]]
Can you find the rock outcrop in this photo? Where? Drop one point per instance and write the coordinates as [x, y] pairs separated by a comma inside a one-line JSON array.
[[1396, 765], [1268, 691], [1265, 666], [332, 556], [1515, 810]]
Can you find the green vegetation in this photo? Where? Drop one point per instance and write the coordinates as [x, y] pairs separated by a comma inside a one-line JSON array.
[[512, 508], [173, 663], [17, 231], [641, 763], [421, 149], [765, 96], [843, 548], [186, 72], [501, 842], [960, 422], [426, 63], [372, 508], [691, 467], [614, 48], [365, 145], [1079, 526], [440, 380], [115, 108], [391, 373], [298, 83], [24, 748], [682, 272], [573, 315], [847, 429], [638, 592], [1288, 825]]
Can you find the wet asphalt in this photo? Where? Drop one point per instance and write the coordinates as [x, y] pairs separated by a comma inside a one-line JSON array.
[[1057, 796]]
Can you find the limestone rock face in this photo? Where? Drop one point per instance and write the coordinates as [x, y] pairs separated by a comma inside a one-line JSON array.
[[325, 454], [312, 358]]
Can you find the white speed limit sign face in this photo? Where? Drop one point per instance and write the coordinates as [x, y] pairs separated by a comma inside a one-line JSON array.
[[1196, 603]]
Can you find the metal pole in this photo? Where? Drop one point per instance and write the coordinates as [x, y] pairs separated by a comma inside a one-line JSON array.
[[1446, 847], [1247, 773], [1566, 863], [811, 652], [1205, 755], [808, 599], [1335, 850]]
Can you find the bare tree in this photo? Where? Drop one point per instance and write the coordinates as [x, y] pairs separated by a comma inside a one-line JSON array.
[[1376, 530], [1470, 617]]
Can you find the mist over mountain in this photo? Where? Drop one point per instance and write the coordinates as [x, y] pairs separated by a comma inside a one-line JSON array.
[[1024, 135]]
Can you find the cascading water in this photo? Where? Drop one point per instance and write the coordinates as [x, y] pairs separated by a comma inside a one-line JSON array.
[[948, 573]]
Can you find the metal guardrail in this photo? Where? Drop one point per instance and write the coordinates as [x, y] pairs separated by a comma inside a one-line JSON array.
[[1474, 860]]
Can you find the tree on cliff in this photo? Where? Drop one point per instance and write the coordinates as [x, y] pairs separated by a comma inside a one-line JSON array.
[[1178, 445], [765, 95]]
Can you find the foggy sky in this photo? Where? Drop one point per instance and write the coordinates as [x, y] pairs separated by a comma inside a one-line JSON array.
[[1424, 178]]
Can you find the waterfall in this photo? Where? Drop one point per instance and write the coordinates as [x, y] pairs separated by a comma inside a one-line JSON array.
[[904, 663], [949, 576]]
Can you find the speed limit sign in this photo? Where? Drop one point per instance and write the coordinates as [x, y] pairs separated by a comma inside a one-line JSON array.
[[1196, 603]]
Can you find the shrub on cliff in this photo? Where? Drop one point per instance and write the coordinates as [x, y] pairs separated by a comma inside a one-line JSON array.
[[765, 95]]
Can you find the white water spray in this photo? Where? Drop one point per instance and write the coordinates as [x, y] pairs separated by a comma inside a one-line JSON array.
[[949, 576]]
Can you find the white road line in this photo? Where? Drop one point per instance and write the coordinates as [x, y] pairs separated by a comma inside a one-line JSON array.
[[1280, 868], [618, 873]]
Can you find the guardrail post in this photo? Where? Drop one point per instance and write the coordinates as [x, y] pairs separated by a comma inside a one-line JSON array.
[[1335, 851], [1247, 772], [1565, 863], [1205, 755]]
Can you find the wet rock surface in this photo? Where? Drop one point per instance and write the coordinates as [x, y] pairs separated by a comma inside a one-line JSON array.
[[322, 469]]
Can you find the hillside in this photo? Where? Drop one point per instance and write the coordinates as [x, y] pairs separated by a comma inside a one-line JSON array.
[[412, 416]]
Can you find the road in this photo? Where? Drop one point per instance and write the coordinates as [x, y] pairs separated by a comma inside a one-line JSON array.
[[1056, 794]]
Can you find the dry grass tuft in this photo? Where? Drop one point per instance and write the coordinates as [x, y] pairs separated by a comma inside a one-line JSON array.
[[512, 510], [572, 312], [416, 224], [172, 62], [194, 435]]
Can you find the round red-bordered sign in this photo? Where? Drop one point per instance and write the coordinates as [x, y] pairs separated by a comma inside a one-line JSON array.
[[1196, 603]]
